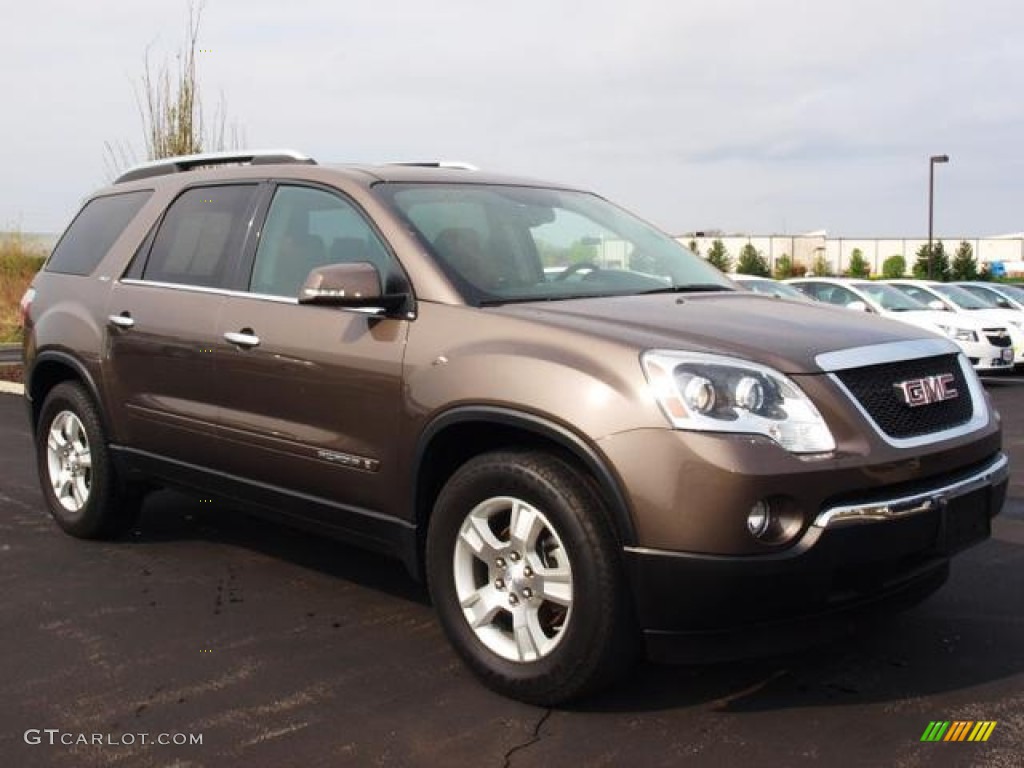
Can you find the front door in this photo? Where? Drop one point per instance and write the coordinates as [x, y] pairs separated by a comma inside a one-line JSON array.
[[311, 394]]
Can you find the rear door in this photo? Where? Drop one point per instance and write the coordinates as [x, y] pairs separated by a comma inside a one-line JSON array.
[[312, 394], [162, 319]]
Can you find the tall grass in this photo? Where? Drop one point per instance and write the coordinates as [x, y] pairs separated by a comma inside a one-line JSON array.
[[20, 259]]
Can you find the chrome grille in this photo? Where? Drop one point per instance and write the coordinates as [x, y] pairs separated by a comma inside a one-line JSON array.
[[997, 337], [875, 388]]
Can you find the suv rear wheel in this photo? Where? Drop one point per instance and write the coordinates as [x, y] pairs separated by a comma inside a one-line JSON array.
[[76, 474], [524, 574]]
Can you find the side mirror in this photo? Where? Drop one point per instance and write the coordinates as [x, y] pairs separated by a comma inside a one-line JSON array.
[[858, 306], [938, 305], [1003, 303], [355, 285]]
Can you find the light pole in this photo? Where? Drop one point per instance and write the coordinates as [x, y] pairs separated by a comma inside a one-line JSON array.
[[931, 202]]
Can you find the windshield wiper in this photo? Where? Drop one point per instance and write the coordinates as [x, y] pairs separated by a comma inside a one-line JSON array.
[[690, 288]]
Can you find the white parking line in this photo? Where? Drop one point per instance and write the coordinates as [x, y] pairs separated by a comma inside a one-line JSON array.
[[10, 388]]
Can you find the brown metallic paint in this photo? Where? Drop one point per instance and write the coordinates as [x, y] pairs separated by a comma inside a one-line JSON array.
[[321, 378]]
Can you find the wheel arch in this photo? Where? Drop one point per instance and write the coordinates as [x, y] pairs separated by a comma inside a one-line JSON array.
[[52, 367], [457, 435]]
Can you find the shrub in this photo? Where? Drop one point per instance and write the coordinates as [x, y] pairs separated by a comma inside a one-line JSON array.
[[19, 261], [894, 267]]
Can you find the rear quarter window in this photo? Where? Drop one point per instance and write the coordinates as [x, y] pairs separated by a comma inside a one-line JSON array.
[[93, 231]]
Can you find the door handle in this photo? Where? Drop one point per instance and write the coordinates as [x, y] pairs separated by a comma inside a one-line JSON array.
[[245, 338], [124, 320]]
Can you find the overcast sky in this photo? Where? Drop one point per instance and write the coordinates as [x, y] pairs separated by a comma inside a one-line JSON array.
[[742, 115]]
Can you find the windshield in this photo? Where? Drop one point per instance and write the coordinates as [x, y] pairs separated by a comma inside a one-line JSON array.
[[772, 288], [1015, 292], [964, 299], [509, 243], [888, 298]]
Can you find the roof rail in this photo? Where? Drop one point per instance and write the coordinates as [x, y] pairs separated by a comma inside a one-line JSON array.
[[457, 164], [181, 163]]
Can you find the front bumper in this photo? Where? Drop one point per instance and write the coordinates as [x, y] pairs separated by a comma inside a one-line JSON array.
[[986, 357], [883, 551]]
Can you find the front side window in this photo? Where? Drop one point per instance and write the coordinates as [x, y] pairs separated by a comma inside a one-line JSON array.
[[94, 230], [201, 234], [510, 243], [308, 228]]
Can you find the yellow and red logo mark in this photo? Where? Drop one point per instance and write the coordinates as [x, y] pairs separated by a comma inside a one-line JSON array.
[[958, 730]]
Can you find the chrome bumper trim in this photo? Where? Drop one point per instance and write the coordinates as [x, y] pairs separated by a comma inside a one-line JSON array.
[[996, 472]]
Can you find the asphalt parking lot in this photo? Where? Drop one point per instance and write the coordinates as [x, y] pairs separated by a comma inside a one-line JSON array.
[[285, 650]]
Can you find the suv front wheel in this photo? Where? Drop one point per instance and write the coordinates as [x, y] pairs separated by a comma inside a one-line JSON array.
[[523, 572], [75, 471]]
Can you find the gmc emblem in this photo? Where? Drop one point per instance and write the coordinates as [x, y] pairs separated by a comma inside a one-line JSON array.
[[926, 390]]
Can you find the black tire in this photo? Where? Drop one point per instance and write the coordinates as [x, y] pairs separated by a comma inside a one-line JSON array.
[[110, 508], [596, 640]]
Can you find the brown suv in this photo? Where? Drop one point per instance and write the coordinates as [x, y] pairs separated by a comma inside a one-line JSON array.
[[579, 433]]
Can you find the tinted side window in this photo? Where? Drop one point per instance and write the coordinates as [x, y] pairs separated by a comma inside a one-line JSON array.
[[840, 296], [201, 232], [308, 228], [94, 231], [811, 289]]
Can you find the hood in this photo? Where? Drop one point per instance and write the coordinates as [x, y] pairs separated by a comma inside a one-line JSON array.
[[786, 335], [930, 318], [1008, 318]]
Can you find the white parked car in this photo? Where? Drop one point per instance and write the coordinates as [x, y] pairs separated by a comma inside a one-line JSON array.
[[952, 298], [985, 344]]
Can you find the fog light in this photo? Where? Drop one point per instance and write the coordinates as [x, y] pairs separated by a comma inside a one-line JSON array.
[[759, 519]]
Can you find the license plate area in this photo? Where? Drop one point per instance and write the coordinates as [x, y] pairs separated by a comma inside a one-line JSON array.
[[965, 521]]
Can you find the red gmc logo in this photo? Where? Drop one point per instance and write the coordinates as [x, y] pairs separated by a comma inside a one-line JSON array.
[[930, 389]]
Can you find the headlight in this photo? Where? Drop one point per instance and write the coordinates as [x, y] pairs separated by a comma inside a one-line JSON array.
[[710, 393], [958, 334]]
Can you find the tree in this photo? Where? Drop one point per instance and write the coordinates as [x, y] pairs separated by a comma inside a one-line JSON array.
[[173, 118], [783, 267], [859, 266], [939, 262], [821, 266], [692, 245], [894, 267], [752, 262], [964, 267], [718, 256], [580, 251]]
